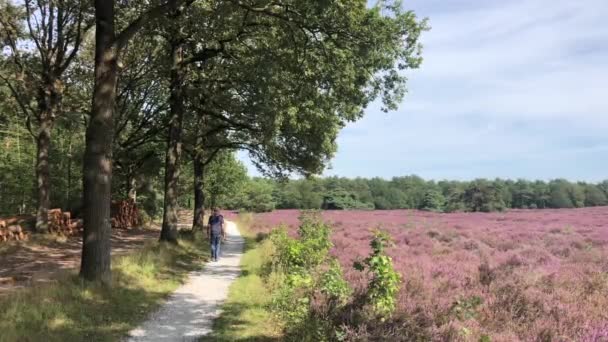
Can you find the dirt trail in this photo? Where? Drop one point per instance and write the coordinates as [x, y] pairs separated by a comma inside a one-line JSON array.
[[189, 312], [30, 262]]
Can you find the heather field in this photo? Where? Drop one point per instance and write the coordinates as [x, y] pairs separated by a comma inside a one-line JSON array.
[[532, 275]]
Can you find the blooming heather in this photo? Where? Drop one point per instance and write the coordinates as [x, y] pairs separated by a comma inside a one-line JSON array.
[[545, 272]]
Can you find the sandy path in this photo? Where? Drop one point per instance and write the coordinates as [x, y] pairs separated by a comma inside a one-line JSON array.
[[189, 312]]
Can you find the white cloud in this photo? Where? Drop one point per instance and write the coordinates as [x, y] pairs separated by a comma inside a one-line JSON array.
[[513, 88], [522, 59]]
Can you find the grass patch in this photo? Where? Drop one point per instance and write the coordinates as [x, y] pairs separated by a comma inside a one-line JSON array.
[[71, 310], [246, 315]]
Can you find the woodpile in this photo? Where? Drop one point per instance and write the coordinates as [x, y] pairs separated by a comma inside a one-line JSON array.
[[125, 214], [61, 223], [11, 232]]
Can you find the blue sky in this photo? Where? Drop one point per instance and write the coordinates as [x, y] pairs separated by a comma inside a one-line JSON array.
[[511, 89]]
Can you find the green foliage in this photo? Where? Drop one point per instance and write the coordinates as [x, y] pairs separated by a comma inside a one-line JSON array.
[[522, 194], [311, 298], [594, 196], [297, 262], [333, 285], [301, 194], [433, 200], [485, 338], [17, 152], [254, 196], [150, 197], [384, 285], [412, 192], [482, 195], [560, 194], [224, 176], [17, 156], [287, 107], [466, 308], [339, 199], [301, 256]]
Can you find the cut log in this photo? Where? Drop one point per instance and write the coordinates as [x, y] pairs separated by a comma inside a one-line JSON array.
[[125, 214], [15, 229], [67, 218], [12, 230], [61, 223]]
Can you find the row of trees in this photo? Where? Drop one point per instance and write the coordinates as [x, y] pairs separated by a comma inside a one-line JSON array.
[[109, 99], [413, 192]]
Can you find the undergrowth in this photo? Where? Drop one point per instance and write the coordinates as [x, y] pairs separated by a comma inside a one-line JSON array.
[[73, 310], [292, 289]]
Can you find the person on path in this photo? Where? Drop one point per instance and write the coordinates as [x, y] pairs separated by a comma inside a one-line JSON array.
[[216, 233]]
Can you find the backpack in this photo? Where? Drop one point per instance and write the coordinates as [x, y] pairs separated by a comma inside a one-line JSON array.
[[216, 224]]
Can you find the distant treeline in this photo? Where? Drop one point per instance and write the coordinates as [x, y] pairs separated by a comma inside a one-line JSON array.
[[413, 192]]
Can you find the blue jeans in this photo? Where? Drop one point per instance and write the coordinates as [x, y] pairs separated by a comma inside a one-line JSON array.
[[216, 241]]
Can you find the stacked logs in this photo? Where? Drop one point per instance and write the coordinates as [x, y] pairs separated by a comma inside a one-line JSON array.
[[125, 214], [61, 223], [9, 232]]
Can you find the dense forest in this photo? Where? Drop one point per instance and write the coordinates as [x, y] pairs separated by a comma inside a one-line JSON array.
[[413, 192], [227, 185]]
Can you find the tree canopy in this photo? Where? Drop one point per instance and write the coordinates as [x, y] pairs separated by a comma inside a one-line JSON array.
[[107, 111]]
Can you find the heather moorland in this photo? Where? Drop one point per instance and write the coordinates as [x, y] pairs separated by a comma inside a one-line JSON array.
[[519, 275]]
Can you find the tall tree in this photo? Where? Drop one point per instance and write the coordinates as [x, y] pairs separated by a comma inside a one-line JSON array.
[[224, 176], [177, 79], [97, 166], [42, 48], [594, 196], [559, 192], [282, 78]]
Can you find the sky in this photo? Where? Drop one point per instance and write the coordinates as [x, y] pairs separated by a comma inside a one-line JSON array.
[[510, 89]]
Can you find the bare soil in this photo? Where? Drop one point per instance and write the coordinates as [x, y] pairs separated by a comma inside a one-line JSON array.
[[43, 258]]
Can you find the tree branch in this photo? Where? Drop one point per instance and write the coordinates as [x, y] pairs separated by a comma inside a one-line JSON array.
[[17, 97], [123, 37], [33, 32]]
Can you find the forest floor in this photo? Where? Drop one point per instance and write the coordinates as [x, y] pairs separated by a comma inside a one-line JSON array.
[[43, 257]]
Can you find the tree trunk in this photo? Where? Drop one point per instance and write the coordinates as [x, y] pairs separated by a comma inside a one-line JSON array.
[[43, 145], [97, 167], [68, 200], [198, 221], [174, 146], [132, 186]]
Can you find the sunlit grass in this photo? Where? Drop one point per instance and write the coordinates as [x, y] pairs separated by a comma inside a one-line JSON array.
[[246, 315], [71, 310]]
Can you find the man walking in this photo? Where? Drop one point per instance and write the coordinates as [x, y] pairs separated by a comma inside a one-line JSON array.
[[216, 232]]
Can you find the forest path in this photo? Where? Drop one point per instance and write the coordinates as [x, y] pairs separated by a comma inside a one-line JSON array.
[[189, 312]]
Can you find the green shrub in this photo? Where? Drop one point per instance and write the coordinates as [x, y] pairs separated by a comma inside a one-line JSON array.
[[311, 296], [333, 284], [296, 262], [383, 287]]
